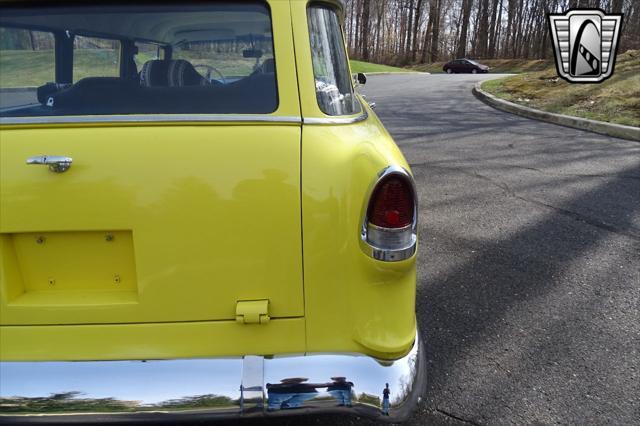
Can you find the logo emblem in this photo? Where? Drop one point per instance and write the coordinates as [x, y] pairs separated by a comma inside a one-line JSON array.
[[585, 42]]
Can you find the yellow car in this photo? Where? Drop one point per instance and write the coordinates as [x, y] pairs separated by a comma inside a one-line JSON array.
[[199, 218]]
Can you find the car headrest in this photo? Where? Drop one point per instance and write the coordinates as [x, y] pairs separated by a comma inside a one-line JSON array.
[[268, 66], [155, 73], [182, 73]]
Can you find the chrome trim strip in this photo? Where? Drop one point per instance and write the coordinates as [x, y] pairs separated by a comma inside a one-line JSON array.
[[150, 118], [382, 253], [181, 118], [251, 386], [336, 120]]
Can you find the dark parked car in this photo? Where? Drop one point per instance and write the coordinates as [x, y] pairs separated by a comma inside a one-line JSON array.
[[464, 65]]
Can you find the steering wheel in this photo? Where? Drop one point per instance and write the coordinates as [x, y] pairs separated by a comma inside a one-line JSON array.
[[211, 69]]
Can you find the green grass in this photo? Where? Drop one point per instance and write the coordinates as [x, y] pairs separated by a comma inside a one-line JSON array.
[[24, 68], [616, 100], [499, 66], [28, 68], [368, 67]]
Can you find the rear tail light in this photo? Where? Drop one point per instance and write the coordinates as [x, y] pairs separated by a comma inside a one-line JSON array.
[[389, 228]]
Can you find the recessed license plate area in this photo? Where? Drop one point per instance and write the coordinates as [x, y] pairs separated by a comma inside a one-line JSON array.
[[68, 268]]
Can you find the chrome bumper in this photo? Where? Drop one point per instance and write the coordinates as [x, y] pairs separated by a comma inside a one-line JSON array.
[[220, 388]]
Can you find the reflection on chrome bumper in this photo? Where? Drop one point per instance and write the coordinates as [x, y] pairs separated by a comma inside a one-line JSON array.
[[107, 391]]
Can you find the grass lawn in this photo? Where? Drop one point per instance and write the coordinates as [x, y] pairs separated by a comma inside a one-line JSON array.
[[616, 100], [359, 66], [500, 66], [27, 68]]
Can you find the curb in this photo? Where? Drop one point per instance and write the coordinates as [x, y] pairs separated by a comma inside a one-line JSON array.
[[601, 127], [18, 89]]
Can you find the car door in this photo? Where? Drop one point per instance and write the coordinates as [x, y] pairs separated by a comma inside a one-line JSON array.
[[160, 218]]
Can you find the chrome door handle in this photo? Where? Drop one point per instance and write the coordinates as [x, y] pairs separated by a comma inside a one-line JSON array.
[[56, 163]]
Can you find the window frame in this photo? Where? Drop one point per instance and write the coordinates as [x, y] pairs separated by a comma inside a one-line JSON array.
[[338, 118], [287, 106]]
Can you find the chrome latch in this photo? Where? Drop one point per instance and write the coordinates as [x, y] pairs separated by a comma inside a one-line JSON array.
[[56, 163], [252, 312]]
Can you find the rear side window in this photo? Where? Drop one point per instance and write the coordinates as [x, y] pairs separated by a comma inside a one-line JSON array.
[[95, 57], [146, 52], [207, 58], [330, 65], [27, 60]]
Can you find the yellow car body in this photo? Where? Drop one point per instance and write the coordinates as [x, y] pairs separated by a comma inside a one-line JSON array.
[[157, 241]]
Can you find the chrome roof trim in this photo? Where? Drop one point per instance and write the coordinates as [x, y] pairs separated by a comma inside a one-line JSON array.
[[151, 118]]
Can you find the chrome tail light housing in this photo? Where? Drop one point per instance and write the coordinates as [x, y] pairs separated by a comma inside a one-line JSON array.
[[389, 226]]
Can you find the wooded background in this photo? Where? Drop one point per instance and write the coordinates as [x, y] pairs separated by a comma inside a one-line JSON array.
[[400, 32]]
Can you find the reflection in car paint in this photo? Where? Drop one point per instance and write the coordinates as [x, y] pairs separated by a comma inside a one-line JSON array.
[[291, 393], [385, 399], [340, 389]]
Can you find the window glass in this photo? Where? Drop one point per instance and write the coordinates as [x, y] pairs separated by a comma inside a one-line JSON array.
[[330, 65], [95, 57], [147, 52], [207, 58], [224, 60], [27, 60]]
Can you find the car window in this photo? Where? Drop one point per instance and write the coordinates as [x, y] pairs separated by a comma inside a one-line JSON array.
[[146, 52], [209, 58], [27, 59], [229, 63], [95, 57], [334, 89]]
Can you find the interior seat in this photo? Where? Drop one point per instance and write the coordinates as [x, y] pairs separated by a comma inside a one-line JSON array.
[[268, 66], [155, 73], [183, 73]]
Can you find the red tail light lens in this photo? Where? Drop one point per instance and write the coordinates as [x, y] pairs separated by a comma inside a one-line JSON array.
[[392, 203]]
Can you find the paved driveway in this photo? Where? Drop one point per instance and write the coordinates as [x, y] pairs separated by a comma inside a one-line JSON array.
[[529, 270]]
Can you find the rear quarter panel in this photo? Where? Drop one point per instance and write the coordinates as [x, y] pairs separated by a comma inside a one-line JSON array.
[[354, 303]]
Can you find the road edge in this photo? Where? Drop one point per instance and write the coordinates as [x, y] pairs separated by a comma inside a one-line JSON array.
[[396, 72], [601, 127]]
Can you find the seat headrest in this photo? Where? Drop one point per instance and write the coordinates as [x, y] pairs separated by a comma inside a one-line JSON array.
[[154, 73], [182, 73], [268, 66]]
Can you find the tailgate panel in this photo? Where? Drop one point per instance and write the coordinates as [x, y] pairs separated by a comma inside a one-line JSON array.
[[201, 217]]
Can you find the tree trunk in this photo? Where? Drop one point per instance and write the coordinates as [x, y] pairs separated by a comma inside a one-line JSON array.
[[426, 46], [364, 35], [435, 31], [462, 43], [416, 27], [492, 30], [483, 30]]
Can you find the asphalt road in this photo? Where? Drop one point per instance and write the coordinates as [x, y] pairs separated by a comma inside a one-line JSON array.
[[529, 265], [529, 269]]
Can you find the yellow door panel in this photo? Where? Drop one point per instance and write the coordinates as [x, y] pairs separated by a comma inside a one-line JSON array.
[[156, 223]]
